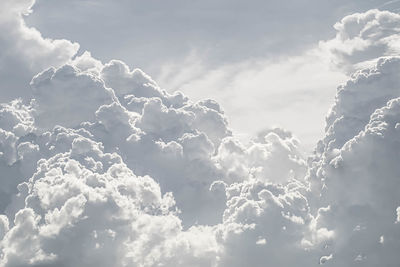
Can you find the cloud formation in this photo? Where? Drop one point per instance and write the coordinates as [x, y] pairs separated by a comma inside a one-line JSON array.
[[364, 173], [75, 172], [101, 167]]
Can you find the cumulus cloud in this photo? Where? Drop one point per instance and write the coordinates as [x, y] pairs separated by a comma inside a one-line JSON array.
[[361, 38], [355, 171], [164, 135], [105, 214], [359, 97], [267, 223], [364, 173], [274, 156], [102, 167]]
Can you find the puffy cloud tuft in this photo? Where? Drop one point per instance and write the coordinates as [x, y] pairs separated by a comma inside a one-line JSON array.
[[361, 38], [66, 96], [366, 91]]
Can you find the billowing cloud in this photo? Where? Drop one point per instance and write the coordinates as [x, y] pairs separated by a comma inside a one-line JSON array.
[[80, 148], [361, 38], [354, 174], [269, 224], [366, 91], [67, 97], [102, 167], [274, 156], [88, 203], [360, 185]]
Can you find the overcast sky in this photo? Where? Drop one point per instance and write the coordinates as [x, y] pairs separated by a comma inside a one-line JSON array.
[[240, 53]]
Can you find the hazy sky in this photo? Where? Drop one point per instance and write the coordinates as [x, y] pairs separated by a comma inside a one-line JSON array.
[[258, 59]]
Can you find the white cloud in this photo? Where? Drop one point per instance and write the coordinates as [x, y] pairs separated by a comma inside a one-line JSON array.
[[298, 103], [24, 51], [109, 217], [361, 38], [166, 136], [71, 178], [357, 170], [67, 97], [104, 168], [366, 91], [278, 214], [274, 157]]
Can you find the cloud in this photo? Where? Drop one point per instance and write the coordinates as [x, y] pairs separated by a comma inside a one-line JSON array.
[[159, 134], [274, 157], [24, 51], [267, 223], [100, 166], [366, 91], [361, 38], [108, 216], [164, 38], [365, 175], [355, 170], [306, 97], [84, 154], [67, 97]]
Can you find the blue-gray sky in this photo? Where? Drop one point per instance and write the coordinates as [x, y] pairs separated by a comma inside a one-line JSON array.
[[147, 34]]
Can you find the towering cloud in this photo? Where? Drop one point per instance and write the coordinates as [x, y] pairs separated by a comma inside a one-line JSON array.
[[367, 90], [361, 185], [355, 171]]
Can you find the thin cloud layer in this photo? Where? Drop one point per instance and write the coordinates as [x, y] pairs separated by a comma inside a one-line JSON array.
[[101, 167]]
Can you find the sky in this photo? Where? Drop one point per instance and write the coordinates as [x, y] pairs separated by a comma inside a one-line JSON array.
[[206, 49], [199, 133]]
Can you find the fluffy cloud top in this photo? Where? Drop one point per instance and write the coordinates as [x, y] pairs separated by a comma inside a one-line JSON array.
[[359, 97], [361, 38], [67, 97]]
